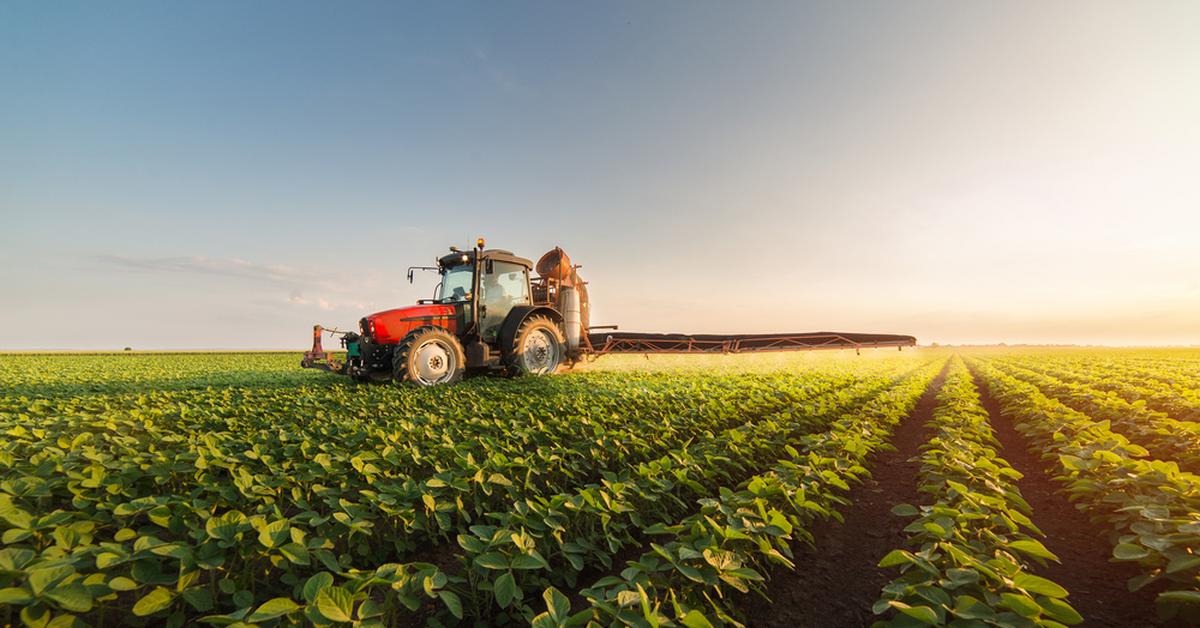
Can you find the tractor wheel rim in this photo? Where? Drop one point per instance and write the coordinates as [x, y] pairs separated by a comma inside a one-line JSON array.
[[540, 353], [434, 362]]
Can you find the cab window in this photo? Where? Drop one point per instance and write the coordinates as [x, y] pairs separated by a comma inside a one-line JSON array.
[[504, 285]]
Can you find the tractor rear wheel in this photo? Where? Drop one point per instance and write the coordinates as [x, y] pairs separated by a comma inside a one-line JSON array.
[[428, 356], [538, 347]]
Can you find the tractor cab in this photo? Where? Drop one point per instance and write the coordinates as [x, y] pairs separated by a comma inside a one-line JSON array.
[[487, 284]]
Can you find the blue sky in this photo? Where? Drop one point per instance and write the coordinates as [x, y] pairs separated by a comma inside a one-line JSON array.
[[225, 174]]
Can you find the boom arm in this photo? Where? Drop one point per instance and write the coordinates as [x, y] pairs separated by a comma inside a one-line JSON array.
[[634, 342]]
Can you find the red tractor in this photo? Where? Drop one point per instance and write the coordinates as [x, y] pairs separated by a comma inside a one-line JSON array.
[[488, 314]]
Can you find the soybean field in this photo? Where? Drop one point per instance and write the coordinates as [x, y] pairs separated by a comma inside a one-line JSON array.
[[985, 487]]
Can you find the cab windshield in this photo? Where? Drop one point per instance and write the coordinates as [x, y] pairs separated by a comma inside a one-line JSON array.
[[456, 284]]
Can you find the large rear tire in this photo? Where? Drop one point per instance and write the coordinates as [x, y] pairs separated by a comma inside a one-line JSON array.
[[428, 356], [538, 348]]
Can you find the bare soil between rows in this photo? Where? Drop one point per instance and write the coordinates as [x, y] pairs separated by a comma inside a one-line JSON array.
[[836, 581], [1096, 585]]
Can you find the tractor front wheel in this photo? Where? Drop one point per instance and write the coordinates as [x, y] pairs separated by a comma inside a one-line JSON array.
[[428, 356], [538, 348]]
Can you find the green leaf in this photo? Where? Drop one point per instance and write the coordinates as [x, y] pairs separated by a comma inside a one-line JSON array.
[[896, 557], [934, 529], [452, 602], [74, 597], [273, 608], [275, 533], [530, 561], [471, 544], [369, 609], [14, 595], [15, 516], [1034, 548], [225, 527], [153, 602], [433, 582], [243, 598], [1039, 585], [923, 614], [962, 576], [1061, 611], [1022, 605], [1072, 463], [492, 560], [504, 588], [14, 535], [1129, 551], [36, 616], [40, 580], [315, 584], [105, 560], [1183, 563], [968, 607], [335, 604], [121, 583], [905, 510], [1191, 598], [557, 603], [295, 553], [199, 598], [695, 619]]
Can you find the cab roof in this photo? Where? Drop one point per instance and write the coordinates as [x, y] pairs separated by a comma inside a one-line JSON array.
[[466, 257]]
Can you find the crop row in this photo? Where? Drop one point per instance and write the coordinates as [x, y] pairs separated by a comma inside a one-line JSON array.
[[1151, 506], [690, 574], [41, 375], [1176, 395], [969, 553], [1165, 438]]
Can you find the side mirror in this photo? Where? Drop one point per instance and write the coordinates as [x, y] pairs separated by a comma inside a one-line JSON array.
[[490, 267]]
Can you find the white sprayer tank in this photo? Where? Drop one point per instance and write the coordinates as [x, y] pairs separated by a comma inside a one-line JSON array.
[[572, 317]]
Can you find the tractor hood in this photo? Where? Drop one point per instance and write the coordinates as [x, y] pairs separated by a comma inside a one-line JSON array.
[[390, 326]]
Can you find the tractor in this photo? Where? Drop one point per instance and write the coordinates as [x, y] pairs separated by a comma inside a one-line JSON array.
[[488, 314]]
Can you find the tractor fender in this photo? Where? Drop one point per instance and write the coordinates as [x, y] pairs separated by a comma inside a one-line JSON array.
[[516, 316]]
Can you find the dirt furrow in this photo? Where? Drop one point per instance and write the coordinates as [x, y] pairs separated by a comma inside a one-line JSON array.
[[836, 581], [1097, 586]]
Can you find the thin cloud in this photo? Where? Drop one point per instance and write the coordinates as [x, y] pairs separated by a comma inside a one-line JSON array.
[[277, 274], [233, 267], [298, 287], [297, 298]]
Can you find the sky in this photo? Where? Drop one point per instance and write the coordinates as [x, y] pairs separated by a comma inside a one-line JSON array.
[[227, 174]]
